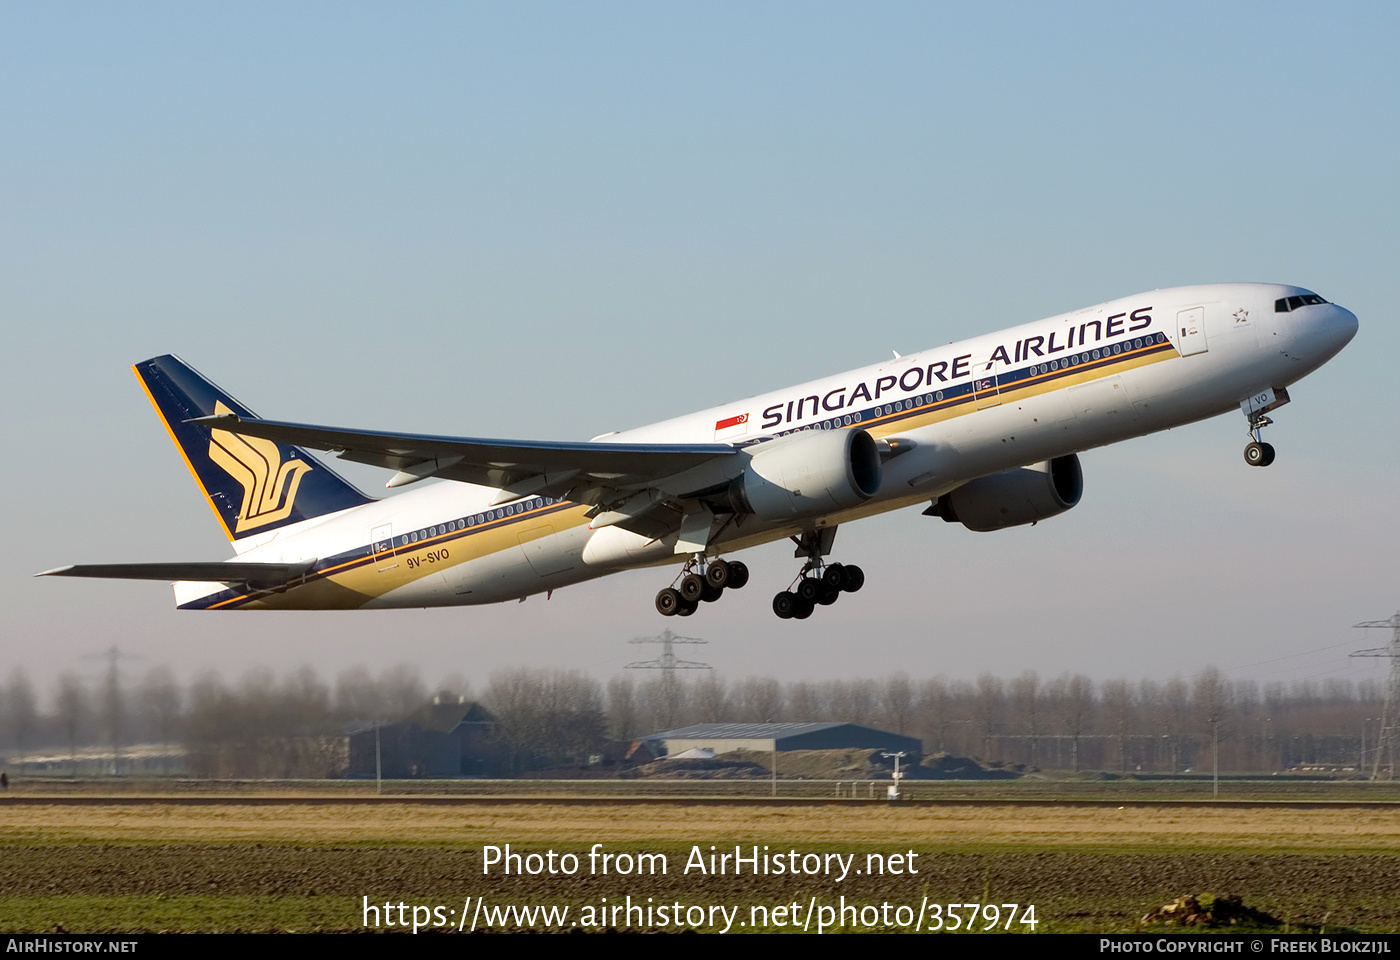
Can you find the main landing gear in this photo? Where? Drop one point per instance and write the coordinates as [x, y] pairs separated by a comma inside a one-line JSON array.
[[1257, 453], [700, 582], [817, 584]]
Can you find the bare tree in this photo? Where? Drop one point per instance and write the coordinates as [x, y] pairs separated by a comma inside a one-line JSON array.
[[1175, 704], [1118, 710], [711, 701], [1210, 705], [72, 710], [991, 709], [20, 710], [897, 698], [935, 699], [1025, 699], [624, 723], [804, 702], [513, 696], [853, 701], [158, 702], [1073, 697], [545, 717], [402, 690], [358, 697], [760, 700]]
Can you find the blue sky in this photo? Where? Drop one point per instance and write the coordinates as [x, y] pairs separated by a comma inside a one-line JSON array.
[[533, 220]]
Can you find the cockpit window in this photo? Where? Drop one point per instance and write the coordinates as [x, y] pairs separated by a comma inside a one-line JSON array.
[[1286, 304]]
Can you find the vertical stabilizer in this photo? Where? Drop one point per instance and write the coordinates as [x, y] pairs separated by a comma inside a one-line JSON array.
[[253, 485]]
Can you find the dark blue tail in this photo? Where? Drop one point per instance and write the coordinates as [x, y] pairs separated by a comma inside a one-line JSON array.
[[253, 485]]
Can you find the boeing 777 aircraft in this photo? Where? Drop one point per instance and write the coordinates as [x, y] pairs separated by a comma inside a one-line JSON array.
[[985, 432]]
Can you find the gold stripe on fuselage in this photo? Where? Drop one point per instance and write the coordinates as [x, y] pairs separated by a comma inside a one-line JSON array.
[[355, 582]]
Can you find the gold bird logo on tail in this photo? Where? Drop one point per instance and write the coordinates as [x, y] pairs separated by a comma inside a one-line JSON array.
[[269, 485]]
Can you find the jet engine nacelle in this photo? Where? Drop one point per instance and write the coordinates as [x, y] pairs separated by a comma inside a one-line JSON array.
[[1014, 497], [809, 474]]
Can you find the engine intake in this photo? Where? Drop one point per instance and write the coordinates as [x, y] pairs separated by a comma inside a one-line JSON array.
[[1013, 497], [809, 474]]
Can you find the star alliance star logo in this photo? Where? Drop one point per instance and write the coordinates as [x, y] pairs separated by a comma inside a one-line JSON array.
[[1241, 315]]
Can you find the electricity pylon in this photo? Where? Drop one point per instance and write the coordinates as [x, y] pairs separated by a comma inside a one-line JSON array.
[[668, 665], [1390, 723]]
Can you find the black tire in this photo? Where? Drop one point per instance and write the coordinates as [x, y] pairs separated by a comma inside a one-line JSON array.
[[783, 604], [686, 609], [809, 588], [1268, 454], [692, 587], [668, 602], [803, 610], [834, 576], [738, 574], [711, 593], [1254, 454], [828, 595], [717, 574], [852, 578]]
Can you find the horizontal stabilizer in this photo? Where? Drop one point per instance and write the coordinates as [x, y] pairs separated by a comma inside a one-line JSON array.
[[253, 574]]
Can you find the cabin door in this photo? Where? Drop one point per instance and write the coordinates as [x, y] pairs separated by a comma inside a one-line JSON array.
[[1191, 331], [984, 383], [381, 540]]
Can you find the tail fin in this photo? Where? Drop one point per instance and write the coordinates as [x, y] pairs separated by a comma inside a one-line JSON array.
[[253, 485]]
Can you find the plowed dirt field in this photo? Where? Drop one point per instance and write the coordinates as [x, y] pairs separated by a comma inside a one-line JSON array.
[[134, 867]]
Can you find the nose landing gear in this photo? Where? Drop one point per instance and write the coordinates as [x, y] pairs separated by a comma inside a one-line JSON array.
[[1256, 408], [1257, 453]]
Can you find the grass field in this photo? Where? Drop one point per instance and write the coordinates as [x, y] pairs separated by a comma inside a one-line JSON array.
[[280, 864]]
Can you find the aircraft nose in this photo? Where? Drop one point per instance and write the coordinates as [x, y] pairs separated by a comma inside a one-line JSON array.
[[1339, 326], [1329, 329]]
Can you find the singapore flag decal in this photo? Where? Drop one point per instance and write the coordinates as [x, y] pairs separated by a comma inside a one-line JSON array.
[[732, 427]]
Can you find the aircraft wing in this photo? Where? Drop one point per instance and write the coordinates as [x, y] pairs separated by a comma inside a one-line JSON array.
[[253, 574], [586, 471]]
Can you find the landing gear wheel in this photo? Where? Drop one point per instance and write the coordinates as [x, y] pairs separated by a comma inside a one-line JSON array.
[[1259, 454], [809, 589], [711, 593], [738, 574], [784, 604], [692, 587], [686, 609], [828, 595], [834, 576], [668, 602], [803, 610], [852, 578], [717, 574]]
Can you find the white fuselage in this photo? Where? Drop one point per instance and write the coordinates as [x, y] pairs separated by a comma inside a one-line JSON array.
[[1028, 394]]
